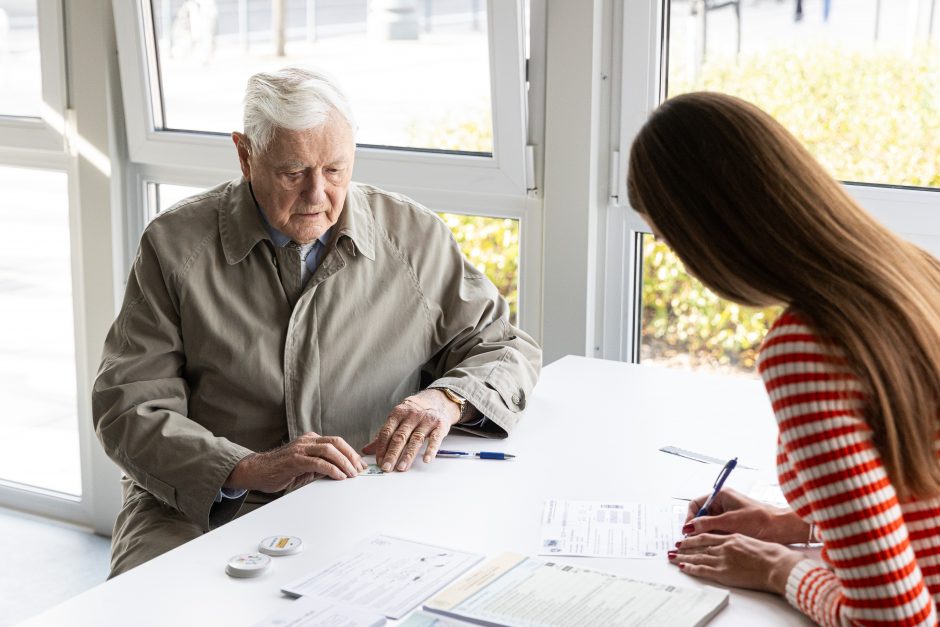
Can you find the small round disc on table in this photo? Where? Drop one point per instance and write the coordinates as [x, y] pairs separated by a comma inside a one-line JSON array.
[[248, 565], [281, 545]]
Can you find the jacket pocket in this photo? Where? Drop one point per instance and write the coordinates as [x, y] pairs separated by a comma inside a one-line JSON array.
[[164, 492]]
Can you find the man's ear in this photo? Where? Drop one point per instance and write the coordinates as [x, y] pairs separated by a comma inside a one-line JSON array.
[[241, 145]]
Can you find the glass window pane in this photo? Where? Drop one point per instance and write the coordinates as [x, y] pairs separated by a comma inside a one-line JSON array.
[[417, 73], [39, 430], [858, 81], [491, 244], [685, 325], [20, 73]]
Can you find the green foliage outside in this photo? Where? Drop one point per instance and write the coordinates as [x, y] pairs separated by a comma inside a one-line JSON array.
[[872, 117], [686, 324], [491, 244]]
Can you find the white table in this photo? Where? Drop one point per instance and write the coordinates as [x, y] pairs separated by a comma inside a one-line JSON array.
[[592, 432]]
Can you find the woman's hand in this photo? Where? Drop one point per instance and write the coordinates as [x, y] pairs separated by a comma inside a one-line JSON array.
[[732, 512], [736, 560]]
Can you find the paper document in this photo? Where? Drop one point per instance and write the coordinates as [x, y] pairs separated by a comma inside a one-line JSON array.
[[387, 575], [700, 457], [525, 592], [594, 529], [426, 619], [314, 611]]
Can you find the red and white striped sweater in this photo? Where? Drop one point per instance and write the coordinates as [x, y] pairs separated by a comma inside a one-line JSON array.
[[882, 556]]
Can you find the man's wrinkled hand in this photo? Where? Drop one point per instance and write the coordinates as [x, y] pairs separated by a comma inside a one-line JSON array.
[[296, 463], [427, 415]]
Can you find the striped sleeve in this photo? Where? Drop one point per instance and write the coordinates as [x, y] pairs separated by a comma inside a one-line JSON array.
[[832, 474]]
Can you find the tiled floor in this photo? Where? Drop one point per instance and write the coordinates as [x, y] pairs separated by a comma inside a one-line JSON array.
[[46, 562]]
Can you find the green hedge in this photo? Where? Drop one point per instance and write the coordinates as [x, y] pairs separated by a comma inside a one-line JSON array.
[[872, 117]]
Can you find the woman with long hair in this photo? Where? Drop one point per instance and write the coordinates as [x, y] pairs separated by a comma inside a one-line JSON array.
[[852, 366]]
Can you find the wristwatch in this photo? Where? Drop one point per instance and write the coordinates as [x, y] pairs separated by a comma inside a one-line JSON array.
[[457, 398]]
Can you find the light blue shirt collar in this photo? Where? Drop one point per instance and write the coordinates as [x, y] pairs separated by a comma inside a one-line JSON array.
[[280, 240]]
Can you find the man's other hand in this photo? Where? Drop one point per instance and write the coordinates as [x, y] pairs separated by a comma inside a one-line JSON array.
[[427, 415], [296, 463]]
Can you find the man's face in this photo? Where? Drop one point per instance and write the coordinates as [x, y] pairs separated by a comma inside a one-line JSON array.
[[301, 180]]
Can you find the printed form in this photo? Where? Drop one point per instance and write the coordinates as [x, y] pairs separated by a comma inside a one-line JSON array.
[[526, 592], [595, 529], [386, 575]]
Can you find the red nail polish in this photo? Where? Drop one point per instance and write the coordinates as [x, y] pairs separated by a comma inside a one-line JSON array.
[[678, 544], [671, 555], [688, 528], [681, 566]]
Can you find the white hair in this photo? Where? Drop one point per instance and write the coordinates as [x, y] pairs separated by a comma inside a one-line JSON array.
[[292, 98]]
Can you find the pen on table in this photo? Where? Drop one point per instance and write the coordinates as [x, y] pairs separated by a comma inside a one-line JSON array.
[[718, 483], [480, 454]]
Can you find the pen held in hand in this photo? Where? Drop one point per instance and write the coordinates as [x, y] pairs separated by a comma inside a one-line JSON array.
[[479, 455], [719, 482]]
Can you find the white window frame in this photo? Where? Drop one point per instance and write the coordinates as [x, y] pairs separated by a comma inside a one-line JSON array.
[[913, 213], [503, 174], [53, 141], [504, 185], [43, 135]]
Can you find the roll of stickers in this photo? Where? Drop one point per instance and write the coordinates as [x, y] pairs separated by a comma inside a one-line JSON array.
[[281, 545], [248, 565]]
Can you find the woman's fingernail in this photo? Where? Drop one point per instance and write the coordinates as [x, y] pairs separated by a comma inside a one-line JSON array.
[[671, 555], [681, 566], [688, 528], [678, 544]]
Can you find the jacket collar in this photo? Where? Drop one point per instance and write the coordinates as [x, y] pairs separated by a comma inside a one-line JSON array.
[[241, 226]]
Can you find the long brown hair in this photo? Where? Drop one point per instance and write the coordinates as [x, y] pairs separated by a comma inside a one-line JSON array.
[[754, 216]]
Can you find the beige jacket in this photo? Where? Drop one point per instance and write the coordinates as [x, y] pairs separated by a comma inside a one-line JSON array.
[[219, 350]]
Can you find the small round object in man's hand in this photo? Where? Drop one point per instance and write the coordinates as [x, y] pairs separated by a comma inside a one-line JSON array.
[[248, 565], [281, 545]]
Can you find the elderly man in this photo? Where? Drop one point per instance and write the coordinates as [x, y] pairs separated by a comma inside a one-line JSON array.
[[274, 325]]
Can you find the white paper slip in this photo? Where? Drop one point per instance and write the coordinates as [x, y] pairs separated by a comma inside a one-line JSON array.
[[526, 592], [373, 470], [387, 575], [595, 529], [700, 457], [427, 619], [314, 611]]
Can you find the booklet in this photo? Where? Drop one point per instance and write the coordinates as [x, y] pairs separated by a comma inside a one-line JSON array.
[[526, 592], [386, 575]]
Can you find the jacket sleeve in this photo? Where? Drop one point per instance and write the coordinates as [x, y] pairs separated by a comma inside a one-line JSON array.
[[140, 401], [478, 353]]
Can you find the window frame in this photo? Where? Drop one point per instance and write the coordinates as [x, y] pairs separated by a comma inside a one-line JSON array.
[[503, 174], [43, 134], [52, 141], [914, 213]]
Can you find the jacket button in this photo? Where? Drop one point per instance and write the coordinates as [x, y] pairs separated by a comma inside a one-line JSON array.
[[515, 399]]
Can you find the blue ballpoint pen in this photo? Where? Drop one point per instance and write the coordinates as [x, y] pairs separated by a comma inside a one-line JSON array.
[[481, 454], [718, 483]]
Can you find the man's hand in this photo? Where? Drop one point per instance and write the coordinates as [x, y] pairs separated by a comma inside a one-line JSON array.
[[428, 415], [296, 463], [732, 512]]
